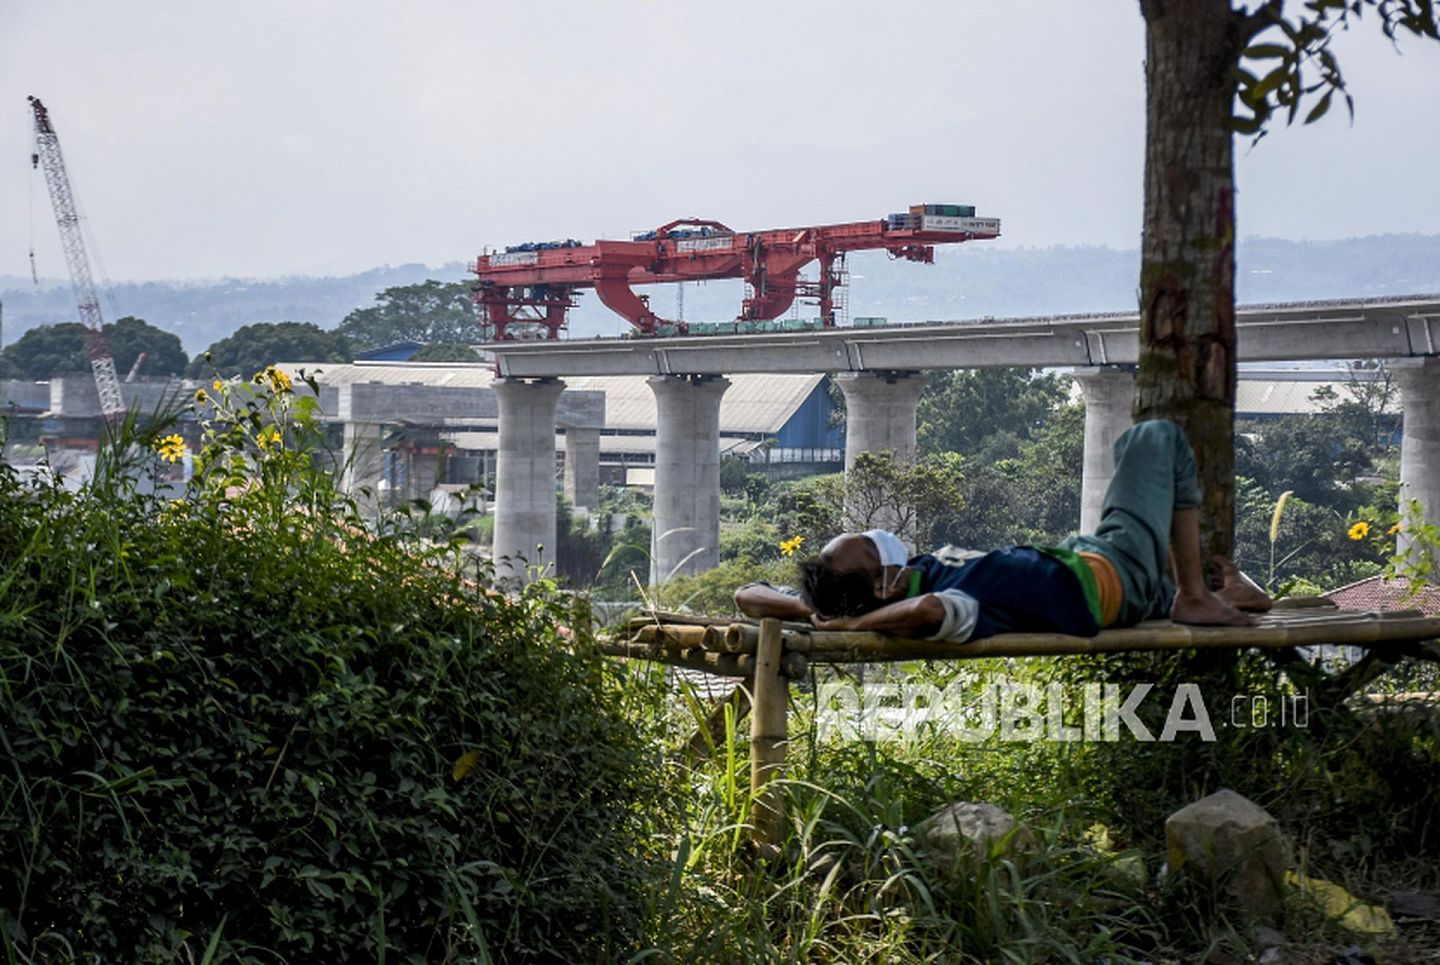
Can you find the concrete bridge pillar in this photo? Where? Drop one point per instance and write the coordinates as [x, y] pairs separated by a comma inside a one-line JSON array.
[[582, 467], [525, 476], [880, 417], [880, 413], [686, 534], [1420, 446], [1109, 393]]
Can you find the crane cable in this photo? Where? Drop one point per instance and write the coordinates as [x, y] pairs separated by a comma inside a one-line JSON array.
[[106, 286]]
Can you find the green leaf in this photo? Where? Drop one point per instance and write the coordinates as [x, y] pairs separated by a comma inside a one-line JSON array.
[[1318, 111], [1270, 82], [1246, 125], [214, 944], [1263, 51], [464, 764]]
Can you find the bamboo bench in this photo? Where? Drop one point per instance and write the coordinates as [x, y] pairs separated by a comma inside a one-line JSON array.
[[769, 654]]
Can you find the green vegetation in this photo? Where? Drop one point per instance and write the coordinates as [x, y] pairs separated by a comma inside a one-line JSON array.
[[1021, 442], [1341, 466], [608, 551], [254, 347], [50, 350], [236, 726], [854, 881], [239, 725], [436, 313], [1355, 789]]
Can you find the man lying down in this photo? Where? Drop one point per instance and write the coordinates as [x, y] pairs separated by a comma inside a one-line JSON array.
[[1116, 577]]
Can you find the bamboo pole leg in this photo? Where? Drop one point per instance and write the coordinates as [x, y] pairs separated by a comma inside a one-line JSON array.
[[768, 736]]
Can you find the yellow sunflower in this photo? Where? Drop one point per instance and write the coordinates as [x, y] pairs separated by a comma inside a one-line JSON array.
[[279, 380], [171, 447]]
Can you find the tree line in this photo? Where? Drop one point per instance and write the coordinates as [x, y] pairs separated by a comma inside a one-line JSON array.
[[437, 314]]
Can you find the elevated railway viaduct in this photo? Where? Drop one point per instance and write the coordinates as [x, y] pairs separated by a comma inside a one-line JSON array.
[[878, 370]]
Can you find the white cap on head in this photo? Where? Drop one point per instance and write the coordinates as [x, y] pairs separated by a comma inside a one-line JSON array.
[[887, 544]]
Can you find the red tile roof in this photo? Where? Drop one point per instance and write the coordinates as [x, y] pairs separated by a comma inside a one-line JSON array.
[[1378, 593]]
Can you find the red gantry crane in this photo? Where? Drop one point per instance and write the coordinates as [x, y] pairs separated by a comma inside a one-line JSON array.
[[526, 290], [62, 199]]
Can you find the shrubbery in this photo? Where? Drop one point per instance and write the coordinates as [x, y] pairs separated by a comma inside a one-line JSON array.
[[237, 714]]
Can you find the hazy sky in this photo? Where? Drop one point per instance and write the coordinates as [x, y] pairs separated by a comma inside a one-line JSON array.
[[262, 137]]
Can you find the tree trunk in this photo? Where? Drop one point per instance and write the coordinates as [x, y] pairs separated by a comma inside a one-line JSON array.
[[1187, 270]]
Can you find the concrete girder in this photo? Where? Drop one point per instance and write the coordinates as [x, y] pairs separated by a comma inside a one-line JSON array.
[[1339, 330], [438, 405]]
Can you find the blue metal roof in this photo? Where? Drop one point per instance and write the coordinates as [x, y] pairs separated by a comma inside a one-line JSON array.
[[394, 352]]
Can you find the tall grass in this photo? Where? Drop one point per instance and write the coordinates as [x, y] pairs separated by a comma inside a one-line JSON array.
[[855, 882]]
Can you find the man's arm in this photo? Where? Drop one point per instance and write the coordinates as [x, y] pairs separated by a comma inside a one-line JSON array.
[[763, 600], [919, 616]]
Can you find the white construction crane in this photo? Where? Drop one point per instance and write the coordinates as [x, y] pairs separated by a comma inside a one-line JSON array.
[[62, 199]]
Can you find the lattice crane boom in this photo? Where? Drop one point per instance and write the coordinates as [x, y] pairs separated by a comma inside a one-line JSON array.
[[47, 156]]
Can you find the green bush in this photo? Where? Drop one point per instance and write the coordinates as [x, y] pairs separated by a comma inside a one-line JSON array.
[[238, 717], [713, 591], [756, 540]]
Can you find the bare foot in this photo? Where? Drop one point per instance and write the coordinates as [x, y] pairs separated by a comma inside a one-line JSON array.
[[1208, 610], [1239, 590]]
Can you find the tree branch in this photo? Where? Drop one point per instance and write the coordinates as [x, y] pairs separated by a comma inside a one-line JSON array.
[[1265, 16]]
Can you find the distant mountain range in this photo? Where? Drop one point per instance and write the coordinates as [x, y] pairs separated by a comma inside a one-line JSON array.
[[967, 281]]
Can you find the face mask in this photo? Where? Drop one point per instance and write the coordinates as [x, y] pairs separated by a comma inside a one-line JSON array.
[[892, 551]]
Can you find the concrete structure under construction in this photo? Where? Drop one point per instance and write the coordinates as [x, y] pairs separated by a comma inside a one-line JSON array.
[[673, 391], [780, 425], [880, 413], [1100, 346], [419, 422]]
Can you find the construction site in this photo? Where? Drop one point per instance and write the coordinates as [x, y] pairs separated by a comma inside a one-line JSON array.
[[659, 410], [720, 483]]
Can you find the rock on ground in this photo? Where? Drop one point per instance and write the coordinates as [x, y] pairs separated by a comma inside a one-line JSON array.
[[967, 831], [1232, 842]]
